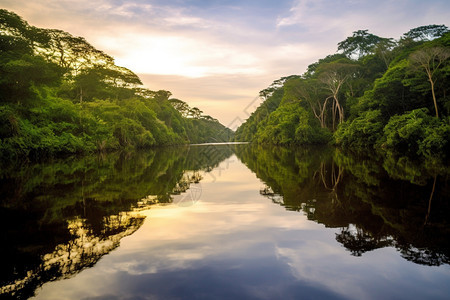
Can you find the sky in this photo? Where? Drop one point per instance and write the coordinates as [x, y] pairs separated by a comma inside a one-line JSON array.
[[217, 55]]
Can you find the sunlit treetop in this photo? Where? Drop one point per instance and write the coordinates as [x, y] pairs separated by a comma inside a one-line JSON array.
[[426, 33], [73, 54]]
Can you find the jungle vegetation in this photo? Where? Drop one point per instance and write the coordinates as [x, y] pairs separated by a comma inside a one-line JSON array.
[[59, 94], [373, 93]]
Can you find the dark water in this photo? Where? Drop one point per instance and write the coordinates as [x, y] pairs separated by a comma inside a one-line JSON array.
[[226, 222]]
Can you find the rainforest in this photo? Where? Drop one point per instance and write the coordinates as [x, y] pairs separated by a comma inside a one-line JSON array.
[[373, 93], [60, 95], [335, 187]]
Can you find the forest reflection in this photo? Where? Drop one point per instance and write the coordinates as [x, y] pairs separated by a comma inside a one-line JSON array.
[[60, 217], [375, 201]]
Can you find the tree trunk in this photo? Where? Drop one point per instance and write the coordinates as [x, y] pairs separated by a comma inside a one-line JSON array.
[[334, 115], [434, 97], [322, 114]]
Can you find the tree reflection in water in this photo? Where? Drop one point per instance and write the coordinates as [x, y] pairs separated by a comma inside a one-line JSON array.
[[375, 201], [60, 217], [82, 250]]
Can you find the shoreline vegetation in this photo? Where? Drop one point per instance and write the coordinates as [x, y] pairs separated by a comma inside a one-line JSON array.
[[59, 95], [373, 94]]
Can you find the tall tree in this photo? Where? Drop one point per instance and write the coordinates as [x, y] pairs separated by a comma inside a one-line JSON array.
[[359, 44], [333, 76], [429, 60], [310, 91], [384, 50], [74, 53], [426, 33], [195, 113], [181, 106]]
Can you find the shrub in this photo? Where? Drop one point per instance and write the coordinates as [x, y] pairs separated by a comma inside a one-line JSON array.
[[417, 132], [363, 131]]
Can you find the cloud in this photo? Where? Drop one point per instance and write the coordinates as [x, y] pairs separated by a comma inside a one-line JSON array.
[[126, 9], [178, 17], [300, 13], [384, 17]]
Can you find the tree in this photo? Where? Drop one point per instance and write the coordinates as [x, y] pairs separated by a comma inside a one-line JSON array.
[[310, 91], [12, 25], [162, 95], [426, 33], [209, 118], [430, 59], [333, 76], [384, 50], [181, 106], [120, 77], [312, 68], [195, 113], [89, 83], [74, 53], [360, 43], [19, 76]]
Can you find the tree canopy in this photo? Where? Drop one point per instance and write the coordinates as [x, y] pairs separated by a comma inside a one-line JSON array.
[[375, 92], [361, 43], [426, 33], [59, 94]]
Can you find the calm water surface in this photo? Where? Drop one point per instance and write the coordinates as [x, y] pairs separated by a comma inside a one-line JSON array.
[[226, 222]]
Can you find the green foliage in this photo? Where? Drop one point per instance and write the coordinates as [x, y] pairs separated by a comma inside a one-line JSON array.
[[363, 131], [20, 74], [360, 43], [281, 125], [380, 92], [291, 91], [59, 94], [247, 131], [426, 33], [199, 128], [291, 124], [417, 132], [312, 68], [208, 131]]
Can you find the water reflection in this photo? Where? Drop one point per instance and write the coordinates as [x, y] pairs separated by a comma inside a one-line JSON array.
[[332, 210], [60, 217], [374, 201]]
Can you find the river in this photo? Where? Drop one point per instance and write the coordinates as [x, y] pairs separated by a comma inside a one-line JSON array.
[[226, 221]]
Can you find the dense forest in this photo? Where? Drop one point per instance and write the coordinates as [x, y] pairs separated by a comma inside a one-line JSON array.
[[59, 94], [374, 92]]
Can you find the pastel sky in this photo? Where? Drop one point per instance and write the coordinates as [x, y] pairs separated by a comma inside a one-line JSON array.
[[217, 55]]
